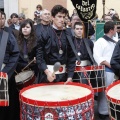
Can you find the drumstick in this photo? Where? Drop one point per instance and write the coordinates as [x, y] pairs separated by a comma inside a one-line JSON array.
[[28, 64], [56, 67]]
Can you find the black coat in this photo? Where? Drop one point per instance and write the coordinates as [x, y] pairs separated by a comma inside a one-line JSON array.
[[11, 55], [115, 60], [48, 51]]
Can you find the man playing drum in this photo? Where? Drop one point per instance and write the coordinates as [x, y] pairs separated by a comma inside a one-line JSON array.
[[102, 52], [10, 60], [53, 46]]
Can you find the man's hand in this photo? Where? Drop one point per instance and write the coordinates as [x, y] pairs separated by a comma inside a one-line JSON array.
[[68, 80], [50, 76]]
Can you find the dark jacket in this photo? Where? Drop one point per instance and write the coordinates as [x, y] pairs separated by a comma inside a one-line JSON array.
[[115, 60], [11, 55], [48, 51]]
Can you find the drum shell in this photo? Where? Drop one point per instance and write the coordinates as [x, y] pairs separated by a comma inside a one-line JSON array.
[[28, 81], [113, 104], [56, 109], [96, 75]]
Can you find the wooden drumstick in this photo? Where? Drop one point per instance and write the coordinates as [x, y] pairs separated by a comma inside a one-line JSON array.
[[28, 64], [56, 67]]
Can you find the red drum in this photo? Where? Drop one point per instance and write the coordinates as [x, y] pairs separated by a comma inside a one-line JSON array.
[[4, 95], [57, 102], [24, 79], [96, 75], [113, 97]]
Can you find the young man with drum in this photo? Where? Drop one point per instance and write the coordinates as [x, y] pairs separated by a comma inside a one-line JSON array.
[[82, 51], [53, 46], [102, 52], [9, 62]]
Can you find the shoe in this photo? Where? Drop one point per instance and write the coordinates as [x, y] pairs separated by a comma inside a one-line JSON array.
[[101, 116]]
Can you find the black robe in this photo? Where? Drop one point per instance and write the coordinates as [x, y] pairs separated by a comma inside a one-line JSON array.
[[115, 60], [48, 54], [10, 59]]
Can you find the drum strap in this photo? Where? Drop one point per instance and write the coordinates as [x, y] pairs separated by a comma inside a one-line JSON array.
[[73, 47], [3, 47], [89, 51]]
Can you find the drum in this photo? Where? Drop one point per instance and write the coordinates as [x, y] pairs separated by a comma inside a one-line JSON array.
[[24, 79], [113, 97], [57, 102], [96, 75], [4, 95]]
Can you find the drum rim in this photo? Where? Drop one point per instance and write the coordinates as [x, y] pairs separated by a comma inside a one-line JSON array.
[[113, 100], [58, 103], [90, 68], [21, 82]]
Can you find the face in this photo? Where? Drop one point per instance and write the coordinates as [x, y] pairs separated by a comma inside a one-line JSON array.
[[38, 8], [14, 20], [46, 16], [59, 20], [74, 20], [78, 31], [3, 20], [21, 19], [26, 30]]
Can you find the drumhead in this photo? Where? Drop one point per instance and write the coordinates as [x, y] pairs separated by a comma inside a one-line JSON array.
[[56, 93], [23, 76], [114, 92]]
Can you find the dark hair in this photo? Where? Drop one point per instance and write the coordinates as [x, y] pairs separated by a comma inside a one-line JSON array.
[[109, 26], [31, 39], [2, 13], [14, 14], [80, 24], [58, 8], [40, 6]]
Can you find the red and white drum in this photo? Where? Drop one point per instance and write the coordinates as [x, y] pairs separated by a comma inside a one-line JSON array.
[[96, 75], [24, 79], [57, 102], [4, 95], [113, 97]]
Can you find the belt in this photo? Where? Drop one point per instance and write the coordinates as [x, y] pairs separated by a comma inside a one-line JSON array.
[[61, 70], [83, 63]]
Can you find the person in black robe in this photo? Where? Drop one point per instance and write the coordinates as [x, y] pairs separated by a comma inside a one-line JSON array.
[[115, 60], [52, 47], [10, 61], [27, 46], [82, 51]]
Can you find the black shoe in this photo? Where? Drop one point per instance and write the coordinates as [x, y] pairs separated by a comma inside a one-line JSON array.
[[101, 116]]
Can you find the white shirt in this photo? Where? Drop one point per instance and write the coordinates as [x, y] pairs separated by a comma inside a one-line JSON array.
[[103, 50], [115, 37]]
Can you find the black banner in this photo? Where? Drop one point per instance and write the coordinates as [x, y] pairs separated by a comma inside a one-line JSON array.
[[86, 9]]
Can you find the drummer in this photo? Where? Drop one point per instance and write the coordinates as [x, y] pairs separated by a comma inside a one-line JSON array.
[[79, 42], [54, 47], [102, 52], [10, 60], [27, 46]]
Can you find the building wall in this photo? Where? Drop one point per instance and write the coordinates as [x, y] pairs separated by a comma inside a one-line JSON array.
[[29, 6], [50, 3], [10, 7]]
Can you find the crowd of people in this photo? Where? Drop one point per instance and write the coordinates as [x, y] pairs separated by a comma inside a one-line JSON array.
[[46, 40]]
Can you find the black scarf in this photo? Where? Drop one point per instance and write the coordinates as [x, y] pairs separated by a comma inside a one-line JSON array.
[[108, 39]]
